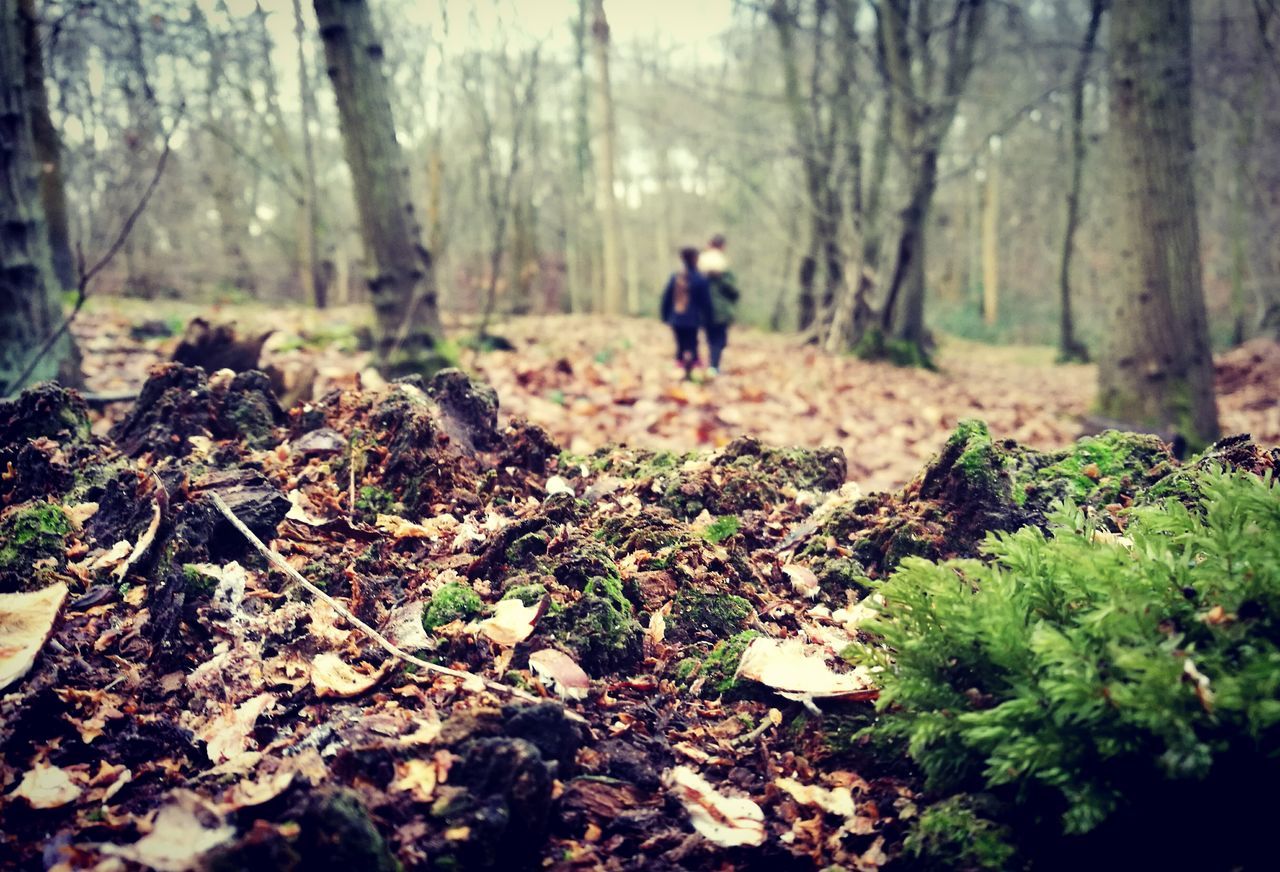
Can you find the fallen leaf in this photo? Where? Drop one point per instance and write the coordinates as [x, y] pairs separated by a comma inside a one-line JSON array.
[[26, 622], [248, 793], [726, 821], [792, 669], [837, 800], [227, 735], [560, 669], [417, 777], [512, 622], [144, 541], [183, 832], [557, 485], [803, 580], [46, 786], [331, 676]]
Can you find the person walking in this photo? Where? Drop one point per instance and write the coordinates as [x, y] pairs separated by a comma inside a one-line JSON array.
[[686, 307], [722, 289]]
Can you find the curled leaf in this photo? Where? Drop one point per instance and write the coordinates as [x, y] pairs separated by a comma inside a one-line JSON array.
[[791, 668], [331, 676], [46, 786], [726, 821], [512, 622], [558, 668], [26, 622]]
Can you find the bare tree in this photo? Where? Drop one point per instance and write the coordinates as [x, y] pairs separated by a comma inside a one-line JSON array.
[[606, 164], [401, 278]]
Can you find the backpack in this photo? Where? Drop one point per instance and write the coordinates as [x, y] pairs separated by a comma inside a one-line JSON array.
[[681, 299]]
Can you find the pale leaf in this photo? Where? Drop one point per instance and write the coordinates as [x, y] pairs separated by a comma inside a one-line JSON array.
[[26, 622], [331, 676], [726, 821], [183, 832], [558, 668], [790, 668], [46, 786], [511, 623]]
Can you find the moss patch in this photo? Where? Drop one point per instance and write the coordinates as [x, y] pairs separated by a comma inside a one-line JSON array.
[[32, 534], [697, 614], [452, 602]]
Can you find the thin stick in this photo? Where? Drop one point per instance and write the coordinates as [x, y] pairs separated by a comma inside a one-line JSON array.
[[280, 563]]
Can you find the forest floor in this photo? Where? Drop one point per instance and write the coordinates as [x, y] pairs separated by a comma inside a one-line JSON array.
[[594, 381], [643, 644]]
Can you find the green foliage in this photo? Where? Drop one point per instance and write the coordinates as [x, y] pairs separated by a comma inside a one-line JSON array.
[[452, 602], [721, 528], [875, 345], [1082, 679], [952, 835], [29, 536]]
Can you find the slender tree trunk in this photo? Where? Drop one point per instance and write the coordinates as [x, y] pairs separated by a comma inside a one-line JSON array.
[[606, 165], [903, 313], [401, 279], [313, 282], [48, 148], [1158, 370], [1070, 348], [991, 243], [29, 300]]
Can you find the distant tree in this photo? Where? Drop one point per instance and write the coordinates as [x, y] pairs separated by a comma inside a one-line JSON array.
[[606, 163], [1158, 369], [30, 311], [401, 281], [1069, 347], [928, 56]]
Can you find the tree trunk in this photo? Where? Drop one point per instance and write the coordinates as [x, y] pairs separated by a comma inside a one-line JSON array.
[[903, 313], [48, 149], [991, 243], [29, 302], [1070, 348], [1158, 370], [606, 165], [401, 281], [312, 282]]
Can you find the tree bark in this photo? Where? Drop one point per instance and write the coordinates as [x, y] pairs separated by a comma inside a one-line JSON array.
[[48, 149], [401, 280], [1070, 348], [313, 282], [29, 303], [1158, 370], [991, 242], [606, 165]]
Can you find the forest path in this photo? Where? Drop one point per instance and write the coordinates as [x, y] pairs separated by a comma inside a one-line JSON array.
[[592, 380]]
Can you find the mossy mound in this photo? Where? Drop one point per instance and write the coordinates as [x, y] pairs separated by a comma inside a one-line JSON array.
[[698, 614], [976, 485], [47, 410], [32, 546]]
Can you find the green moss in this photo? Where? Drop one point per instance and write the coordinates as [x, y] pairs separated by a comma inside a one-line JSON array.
[[722, 663], [875, 345], [687, 668], [374, 500], [527, 546], [528, 594], [1097, 469], [698, 613], [721, 529], [452, 602], [602, 635], [198, 581], [952, 835], [28, 535], [609, 587]]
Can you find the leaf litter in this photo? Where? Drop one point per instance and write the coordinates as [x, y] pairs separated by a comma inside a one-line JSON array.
[[605, 686]]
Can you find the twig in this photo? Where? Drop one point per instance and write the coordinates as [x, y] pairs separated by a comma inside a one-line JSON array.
[[391, 648], [87, 275]]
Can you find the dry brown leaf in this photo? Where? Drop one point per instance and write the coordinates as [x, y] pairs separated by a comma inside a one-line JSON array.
[[512, 622], [417, 777], [183, 832], [803, 580], [248, 793], [46, 786], [560, 669], [796, 671], [331, 676], [26, 622], [726, 821], [226, 736]]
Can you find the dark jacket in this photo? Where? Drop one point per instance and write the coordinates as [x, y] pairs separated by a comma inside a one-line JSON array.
[[699, 311], [722, 291]]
